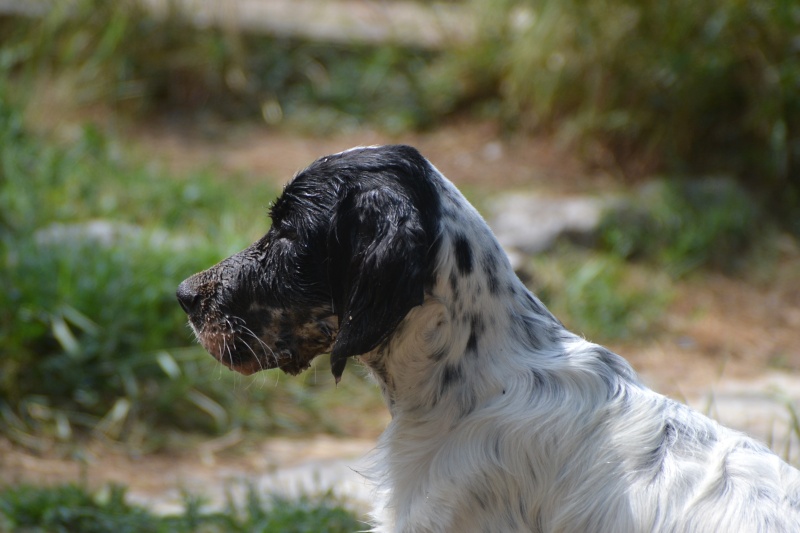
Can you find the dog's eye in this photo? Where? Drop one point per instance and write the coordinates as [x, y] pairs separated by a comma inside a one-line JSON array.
[[282, 230], [287, 233]]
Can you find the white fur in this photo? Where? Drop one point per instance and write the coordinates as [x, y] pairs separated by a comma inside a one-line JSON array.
[[542, 431]]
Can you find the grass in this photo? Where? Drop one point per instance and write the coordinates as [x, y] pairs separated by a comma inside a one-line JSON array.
[[794, 433], [87, 323], [92, 247], [599, 295], [686, 225], [71, 508], [120, 55]]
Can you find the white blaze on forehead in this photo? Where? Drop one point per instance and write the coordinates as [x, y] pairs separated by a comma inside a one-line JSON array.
[[371, 147], [354, 148]]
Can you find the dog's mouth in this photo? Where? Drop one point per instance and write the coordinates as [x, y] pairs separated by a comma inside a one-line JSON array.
[[246, 358], [240, 349]]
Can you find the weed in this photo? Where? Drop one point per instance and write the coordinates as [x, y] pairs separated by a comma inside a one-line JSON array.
[[323, 513], [598, 295], [71, 508], [686, 225], [92, 247], [794, 431], [118, 53]]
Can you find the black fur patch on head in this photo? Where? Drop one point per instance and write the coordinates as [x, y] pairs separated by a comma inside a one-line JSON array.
[[353, 236], [382, 243], [463, 252]]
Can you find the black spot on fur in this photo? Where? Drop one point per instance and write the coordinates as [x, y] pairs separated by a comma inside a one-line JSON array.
[[753, 446], [655, 459], [497, 448], [533, 304], [616, 363], [463, 252], [668, 432], [450, 214], [538, 379], [490, 268], [477, 328], [523, 507], [481, 498], [531, 330], [450, 375], [472, 342], [454, 287]]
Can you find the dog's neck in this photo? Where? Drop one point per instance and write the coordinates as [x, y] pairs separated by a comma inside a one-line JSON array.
[[452, 354]]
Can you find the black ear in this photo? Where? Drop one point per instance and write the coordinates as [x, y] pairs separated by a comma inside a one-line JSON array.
[[377, 249]]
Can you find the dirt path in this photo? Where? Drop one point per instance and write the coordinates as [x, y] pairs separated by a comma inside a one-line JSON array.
[[287, 467]]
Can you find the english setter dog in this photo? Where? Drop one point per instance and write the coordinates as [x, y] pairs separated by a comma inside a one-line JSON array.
[[502, 420]]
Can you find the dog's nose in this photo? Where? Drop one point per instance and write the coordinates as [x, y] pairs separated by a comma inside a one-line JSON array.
[[187, 296]]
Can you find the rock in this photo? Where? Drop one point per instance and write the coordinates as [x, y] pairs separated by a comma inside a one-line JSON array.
[[107, 234], [762, 406], [527, 224]]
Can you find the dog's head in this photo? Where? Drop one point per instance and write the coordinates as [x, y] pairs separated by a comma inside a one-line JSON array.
[[348, 254]]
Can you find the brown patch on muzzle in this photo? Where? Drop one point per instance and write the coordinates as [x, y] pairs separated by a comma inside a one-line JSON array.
[[256, 336]]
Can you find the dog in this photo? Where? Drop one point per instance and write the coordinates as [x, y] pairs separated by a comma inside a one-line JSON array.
[[502, 419]]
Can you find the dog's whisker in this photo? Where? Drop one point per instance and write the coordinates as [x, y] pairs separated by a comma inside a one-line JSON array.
[[264, 347], [226, 349]]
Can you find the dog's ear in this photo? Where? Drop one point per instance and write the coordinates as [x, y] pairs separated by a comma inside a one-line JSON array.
[[377, 249]]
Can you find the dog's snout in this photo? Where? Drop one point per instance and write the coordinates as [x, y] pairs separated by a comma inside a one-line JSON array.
[[188, 296]]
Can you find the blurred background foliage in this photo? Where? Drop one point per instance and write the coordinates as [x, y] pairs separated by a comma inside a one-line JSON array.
[[90, 335], [93, 245], [682, 87]]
